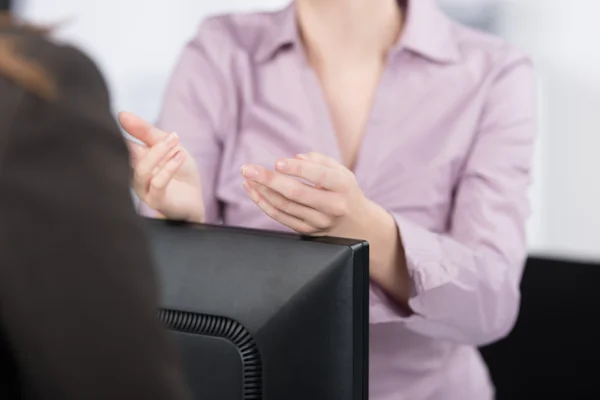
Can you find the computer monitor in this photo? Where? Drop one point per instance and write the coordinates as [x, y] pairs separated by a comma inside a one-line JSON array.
[[265, 316]]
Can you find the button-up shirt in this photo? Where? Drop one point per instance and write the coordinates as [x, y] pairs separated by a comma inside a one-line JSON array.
[[446, 150]]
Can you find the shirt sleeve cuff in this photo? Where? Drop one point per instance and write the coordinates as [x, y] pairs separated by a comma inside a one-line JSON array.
[[425, 258], [427, 270], [383, 310]]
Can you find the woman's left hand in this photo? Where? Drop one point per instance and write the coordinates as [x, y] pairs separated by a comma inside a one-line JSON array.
[[315, 195], [312, 194]]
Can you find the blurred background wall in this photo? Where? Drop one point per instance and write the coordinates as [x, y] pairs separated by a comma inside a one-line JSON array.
[[137, 42]]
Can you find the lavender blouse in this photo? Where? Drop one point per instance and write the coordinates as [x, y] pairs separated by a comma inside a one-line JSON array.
[[447, 151]]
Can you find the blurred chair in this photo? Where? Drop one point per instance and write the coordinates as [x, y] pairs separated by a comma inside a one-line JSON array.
[[554, 349]]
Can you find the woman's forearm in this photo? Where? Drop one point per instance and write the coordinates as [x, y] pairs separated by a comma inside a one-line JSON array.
[[387, 261]]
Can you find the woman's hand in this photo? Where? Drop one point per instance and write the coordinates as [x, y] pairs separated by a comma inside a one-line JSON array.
[[315, 195], [166, 177], [311, 194]]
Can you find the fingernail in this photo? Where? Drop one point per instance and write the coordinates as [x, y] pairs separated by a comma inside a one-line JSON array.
[[249, 172], [172, 138], [302, 156], [281, 165]]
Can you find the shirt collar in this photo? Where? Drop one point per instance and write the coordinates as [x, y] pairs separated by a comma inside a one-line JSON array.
[[281, 31], [427, 32]]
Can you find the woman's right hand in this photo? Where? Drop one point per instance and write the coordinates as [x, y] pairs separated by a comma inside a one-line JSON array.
[[166, 177]]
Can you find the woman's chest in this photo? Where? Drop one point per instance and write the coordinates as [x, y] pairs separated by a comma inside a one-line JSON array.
[[414, 141]]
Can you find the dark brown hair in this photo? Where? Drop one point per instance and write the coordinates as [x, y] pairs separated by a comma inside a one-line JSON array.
[[25, 72]]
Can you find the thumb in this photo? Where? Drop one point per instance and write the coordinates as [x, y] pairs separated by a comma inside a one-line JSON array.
[[140, 129]]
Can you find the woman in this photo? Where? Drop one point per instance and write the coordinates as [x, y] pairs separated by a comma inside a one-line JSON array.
[[383, 121], [77, 295]]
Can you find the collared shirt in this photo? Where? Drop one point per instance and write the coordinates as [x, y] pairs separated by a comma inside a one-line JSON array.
[[447, 151]]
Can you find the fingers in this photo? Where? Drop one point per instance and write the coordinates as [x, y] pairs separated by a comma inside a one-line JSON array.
[[323, 160], [321, 200], [146, 165], [166, 159], [319, 175], [309, 215], [140, 129], [161, 179], [138, 151], [285, 219]]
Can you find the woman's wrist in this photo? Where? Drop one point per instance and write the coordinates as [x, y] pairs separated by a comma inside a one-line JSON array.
[[387, 261]]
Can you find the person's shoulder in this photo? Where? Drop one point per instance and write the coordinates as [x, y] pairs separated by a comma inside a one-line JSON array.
[[502, 70], [235, 33], [487, 51]]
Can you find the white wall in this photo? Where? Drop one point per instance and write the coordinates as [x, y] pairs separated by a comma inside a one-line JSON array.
[[562, 39], [136, 43]]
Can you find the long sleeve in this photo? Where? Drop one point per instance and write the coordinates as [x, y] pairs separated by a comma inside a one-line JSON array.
[[78, 299], [466, 281], [195, 106]]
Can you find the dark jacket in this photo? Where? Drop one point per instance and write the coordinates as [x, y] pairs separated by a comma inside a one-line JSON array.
[[78, 300]]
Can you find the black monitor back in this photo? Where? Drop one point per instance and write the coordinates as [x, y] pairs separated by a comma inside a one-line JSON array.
[[263, 315]]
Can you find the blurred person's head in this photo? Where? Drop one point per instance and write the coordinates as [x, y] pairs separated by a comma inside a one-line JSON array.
[[15, 66]]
